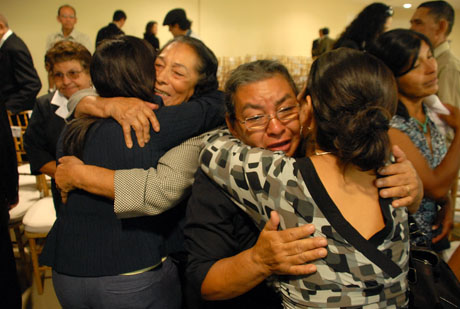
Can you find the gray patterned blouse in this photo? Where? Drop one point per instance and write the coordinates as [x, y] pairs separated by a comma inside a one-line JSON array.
[[356, 272]]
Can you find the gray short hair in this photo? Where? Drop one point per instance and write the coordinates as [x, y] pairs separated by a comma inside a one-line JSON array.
[[249, 73]]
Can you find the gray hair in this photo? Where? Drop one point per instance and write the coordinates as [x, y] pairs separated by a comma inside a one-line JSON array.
[[249, 73]]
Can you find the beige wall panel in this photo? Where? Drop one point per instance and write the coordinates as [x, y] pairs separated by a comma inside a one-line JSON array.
[[230, 28]]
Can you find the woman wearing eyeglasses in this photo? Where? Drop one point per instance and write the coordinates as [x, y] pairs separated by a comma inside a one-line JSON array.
[[69, 65], [346, 109]]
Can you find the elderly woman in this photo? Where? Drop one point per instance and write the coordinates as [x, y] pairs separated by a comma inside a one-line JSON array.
[[69, 66], [185, 73], [409, 55], [346, 108], [125, 262]]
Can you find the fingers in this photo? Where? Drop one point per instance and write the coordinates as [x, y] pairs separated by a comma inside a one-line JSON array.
[[308, 249], [298, 270], [443, 234], [272, 224], [399, 155], [397, 191], [64, 195], [152, 118], [128, 139], [402, 202]]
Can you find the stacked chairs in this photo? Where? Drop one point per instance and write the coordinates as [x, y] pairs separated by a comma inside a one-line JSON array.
[[37, 223], [298, 66]]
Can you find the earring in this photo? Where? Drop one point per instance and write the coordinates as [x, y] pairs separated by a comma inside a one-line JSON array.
[[304, 134]]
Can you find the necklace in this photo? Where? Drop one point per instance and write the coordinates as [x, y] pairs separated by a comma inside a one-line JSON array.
[[321, 153], [424, 125]]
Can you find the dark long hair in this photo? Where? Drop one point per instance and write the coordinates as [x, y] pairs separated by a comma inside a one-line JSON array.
[[207, 64], [399, 50], [367, 26], [148, 29], [121, 67], [354, 97]]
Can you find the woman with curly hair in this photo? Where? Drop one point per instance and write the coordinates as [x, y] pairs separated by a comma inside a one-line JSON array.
[[367, 26]]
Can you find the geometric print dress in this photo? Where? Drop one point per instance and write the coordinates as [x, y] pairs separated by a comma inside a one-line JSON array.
[[356, 273]]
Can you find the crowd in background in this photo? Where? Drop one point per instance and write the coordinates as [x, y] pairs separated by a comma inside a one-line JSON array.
[[249, 197]]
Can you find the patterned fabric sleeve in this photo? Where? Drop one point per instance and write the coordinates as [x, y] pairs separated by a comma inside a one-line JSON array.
[[150, 192], [257, 180]]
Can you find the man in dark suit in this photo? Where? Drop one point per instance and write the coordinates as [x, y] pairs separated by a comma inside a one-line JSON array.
[[10, 292], [315, 45], [112, 29], [19, 81]]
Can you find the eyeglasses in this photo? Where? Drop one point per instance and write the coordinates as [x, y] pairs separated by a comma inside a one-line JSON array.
[[67, 16], [260, 122], [73, 75]]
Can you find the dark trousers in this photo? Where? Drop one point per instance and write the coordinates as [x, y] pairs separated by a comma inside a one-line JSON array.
[[157, 289], [10, 291]]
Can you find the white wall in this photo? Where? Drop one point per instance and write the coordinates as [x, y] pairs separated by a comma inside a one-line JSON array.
[[229, 28]]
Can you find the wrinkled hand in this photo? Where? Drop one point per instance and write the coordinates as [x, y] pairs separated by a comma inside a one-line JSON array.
[[137, 114], [401, 182], [444, 217], [63, 176], [453, 119], [287, 252]]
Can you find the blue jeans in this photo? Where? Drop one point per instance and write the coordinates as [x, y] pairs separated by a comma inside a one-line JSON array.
[[158, 288]]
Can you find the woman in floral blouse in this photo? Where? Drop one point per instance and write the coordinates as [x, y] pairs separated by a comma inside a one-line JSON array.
[[409, 55]]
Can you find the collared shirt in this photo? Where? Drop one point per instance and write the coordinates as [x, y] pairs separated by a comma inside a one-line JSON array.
[[5, 36], [192, 34], [75, 36], [448, 74], [61, 101]]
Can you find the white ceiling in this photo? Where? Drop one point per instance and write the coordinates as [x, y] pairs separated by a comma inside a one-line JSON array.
[[415, 3]]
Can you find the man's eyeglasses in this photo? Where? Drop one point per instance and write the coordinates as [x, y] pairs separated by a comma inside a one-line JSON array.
[[260, 122], [67, 16], [73, 75]]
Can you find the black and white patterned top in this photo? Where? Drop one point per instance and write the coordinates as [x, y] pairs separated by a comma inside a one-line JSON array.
[[356, 272]]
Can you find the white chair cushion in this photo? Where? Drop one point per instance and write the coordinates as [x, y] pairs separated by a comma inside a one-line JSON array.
[[28, 195], [40, 217], [24, 169]]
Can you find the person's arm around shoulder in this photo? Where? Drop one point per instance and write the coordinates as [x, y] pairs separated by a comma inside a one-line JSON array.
[[141, 192]]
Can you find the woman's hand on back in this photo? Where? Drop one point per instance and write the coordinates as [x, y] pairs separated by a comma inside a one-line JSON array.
[[133, 113]]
